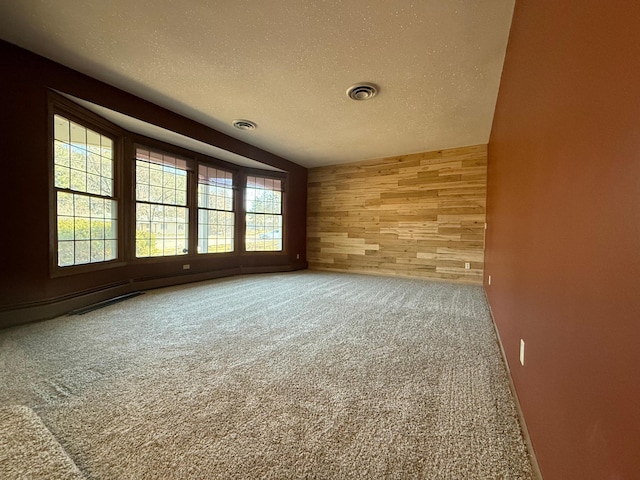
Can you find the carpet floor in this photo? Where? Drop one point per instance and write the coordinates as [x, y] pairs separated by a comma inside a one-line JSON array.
[[296, 375], [29, 451]]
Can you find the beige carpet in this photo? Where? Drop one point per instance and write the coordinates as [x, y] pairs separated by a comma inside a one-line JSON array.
[[297, 375], [28, 450]]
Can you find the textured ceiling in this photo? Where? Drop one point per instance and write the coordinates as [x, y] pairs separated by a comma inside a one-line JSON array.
[[143, 128], [286, 65]]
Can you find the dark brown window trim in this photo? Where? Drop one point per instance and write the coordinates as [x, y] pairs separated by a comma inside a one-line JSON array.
[[284, 178], [60, 105], [124, 193]]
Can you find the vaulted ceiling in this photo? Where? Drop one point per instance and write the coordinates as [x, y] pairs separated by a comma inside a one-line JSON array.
[[286, 65]]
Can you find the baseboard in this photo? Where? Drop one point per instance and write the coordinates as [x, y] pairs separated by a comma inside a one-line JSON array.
[[523, 424], [54, 307], [168, 281], [460, 281], [276, 269], [150, 283]]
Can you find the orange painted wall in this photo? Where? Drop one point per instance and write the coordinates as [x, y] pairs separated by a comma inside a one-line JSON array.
[[563, 238]]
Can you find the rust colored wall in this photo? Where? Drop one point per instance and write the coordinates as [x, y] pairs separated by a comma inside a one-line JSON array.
[[563, 242], [25, 281]]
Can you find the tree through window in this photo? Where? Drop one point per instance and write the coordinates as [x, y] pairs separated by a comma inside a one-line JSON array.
[[216, 218], [86, 212], [263, 203], [162, 215]]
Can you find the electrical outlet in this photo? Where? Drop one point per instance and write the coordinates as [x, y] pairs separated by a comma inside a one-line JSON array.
[[186, 266], [489, 280], [522, 352], [467, 265], [298, 256]]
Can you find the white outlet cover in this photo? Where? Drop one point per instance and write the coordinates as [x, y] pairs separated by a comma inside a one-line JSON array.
[[522, 352]]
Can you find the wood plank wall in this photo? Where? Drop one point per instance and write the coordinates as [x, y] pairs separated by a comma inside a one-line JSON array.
[[418, 215]]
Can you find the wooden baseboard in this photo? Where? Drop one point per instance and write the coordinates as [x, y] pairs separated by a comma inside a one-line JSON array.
[[278, 269], [461, 281], [150, 283], [523, 424], [54, 307], [13, 315]]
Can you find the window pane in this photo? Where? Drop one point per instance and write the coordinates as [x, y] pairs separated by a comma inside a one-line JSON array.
[[143, 240], [65, 204], [264, 214], [142, 173], [96, 206], [110, 249], [81, 229], [161, 230], [155, 194], [110, 229], [110, 209], [155, 174], [97, 250], [106, 167], [142, 192], [78, 135], [83, 162], [93, 142], [169, 180], [93, 184], [78, 181], [83, 252], [181, 197], [97, 229], [81, 206], [61, 128], [94, 163], [78, 159], [61, 154], [142, 212], [62, 176], [161, 193], [107, 147], [106, 187], [65, 228], [66, 254], [215, 216]]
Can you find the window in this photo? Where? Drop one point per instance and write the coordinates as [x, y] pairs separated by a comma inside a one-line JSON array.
[[215, 210], [263, 197], [86, 211], [169, 201], [162, 215]]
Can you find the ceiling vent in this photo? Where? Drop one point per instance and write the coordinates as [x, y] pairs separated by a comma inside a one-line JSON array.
[[244, 124], [362, 91]]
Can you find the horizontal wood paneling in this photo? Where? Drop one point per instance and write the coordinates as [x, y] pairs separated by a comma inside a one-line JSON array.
[[417, 215]]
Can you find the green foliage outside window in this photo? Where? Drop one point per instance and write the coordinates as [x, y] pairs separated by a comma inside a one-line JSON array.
[[147, 244]]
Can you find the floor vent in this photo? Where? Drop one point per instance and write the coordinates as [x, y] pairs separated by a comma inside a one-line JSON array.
[[105, 303]]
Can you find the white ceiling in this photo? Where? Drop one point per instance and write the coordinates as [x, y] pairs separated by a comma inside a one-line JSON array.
[[143, 128], [286, 65]]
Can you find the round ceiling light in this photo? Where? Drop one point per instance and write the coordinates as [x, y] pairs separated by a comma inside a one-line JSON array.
[[362, 91], [244, 124]]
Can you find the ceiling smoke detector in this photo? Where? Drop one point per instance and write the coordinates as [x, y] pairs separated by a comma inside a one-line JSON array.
[[244, 124], [362, 91]]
